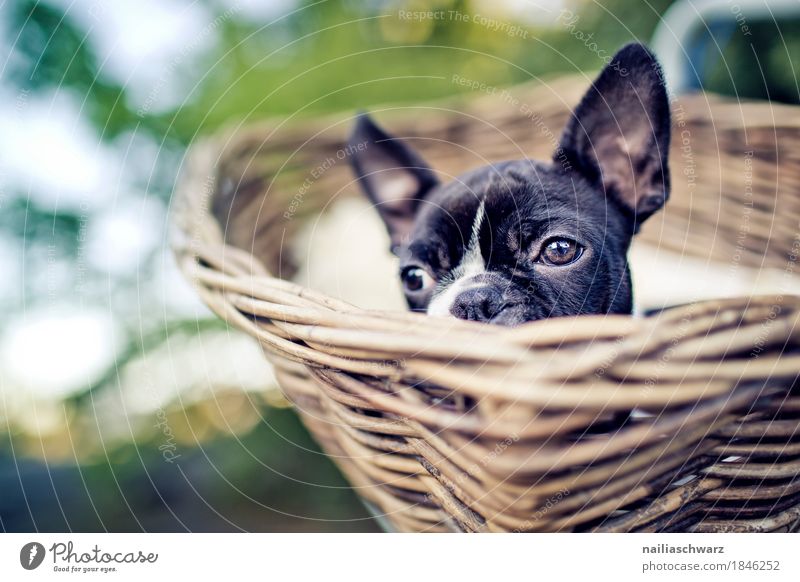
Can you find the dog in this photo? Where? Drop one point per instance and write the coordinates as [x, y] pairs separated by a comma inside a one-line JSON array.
[[523, 240]]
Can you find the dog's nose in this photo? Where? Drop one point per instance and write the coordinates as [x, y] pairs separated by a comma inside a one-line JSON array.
[[478, 304]]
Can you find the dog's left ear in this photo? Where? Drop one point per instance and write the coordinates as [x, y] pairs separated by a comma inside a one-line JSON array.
[[618, 137]]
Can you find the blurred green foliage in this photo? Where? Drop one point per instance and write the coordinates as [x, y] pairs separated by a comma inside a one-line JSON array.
[[352, 57], [52, 53], [759, 65]]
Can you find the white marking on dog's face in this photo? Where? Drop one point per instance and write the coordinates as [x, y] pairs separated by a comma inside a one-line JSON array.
[[462, 277]]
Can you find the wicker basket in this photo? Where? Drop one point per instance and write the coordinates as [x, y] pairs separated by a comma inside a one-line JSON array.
[[470, 427]]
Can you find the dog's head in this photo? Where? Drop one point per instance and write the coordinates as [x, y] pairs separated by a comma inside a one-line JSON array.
[[523, 240]]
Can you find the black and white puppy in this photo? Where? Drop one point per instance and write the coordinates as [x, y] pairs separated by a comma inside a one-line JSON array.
[[523, 240]]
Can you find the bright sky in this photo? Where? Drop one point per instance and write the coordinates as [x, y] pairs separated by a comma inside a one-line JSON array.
[[53, 352]]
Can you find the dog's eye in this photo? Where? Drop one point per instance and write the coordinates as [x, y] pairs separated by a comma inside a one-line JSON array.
[[560, 251], [416, 279]]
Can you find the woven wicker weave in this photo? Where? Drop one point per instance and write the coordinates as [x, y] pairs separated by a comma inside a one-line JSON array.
[[470, 427]]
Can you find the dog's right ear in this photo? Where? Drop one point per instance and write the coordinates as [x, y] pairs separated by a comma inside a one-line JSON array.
[[618, 137], [393, 176]]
